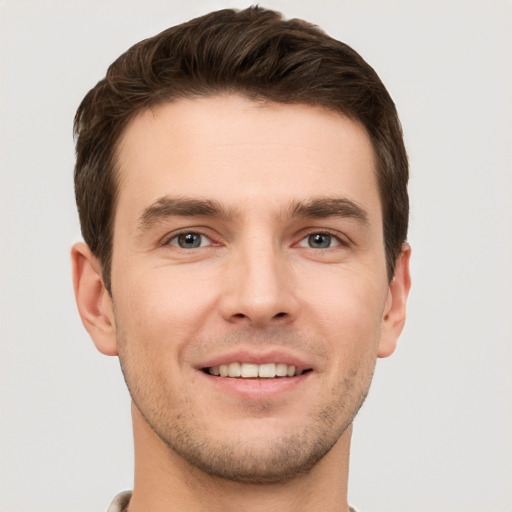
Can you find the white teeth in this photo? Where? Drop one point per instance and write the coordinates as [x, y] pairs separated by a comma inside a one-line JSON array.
[[249, 370], [267, 371], [281, 370], [234, 370]]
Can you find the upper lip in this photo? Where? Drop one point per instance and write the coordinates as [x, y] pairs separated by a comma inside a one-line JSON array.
[[257, 357]]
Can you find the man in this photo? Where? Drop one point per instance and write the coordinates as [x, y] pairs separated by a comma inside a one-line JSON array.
[[241, 182]]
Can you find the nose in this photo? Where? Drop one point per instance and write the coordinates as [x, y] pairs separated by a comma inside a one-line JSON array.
[[259, 289]]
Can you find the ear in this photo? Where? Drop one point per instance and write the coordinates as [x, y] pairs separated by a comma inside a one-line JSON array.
[[396, 302], [93, 300]]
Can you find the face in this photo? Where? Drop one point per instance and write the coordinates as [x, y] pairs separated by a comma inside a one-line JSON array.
[[249, 289]]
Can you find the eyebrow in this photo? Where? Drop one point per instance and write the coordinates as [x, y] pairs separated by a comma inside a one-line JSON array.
[[319, 207], [323, 207], [166, 207]]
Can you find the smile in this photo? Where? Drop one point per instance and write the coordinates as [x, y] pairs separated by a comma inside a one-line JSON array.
[[252, 371]]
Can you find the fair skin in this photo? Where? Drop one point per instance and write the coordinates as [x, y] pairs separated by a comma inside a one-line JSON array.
[[244, 233]]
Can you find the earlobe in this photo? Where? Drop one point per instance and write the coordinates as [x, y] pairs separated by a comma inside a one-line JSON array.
[[396, 304], [93, 301]]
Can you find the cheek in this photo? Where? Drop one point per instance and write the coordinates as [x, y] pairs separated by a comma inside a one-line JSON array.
[[156, 318], [163, 307], [348, 308]]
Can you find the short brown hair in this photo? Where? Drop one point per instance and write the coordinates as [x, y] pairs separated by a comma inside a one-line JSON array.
[[255, 53]]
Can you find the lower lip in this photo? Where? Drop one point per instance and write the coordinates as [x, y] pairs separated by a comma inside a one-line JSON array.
[[257, 389]]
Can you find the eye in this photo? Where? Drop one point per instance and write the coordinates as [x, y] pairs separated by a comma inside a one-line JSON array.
[[319, 241], [189, 240]]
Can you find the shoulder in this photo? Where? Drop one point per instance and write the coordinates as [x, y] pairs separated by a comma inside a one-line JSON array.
[[120, 502]]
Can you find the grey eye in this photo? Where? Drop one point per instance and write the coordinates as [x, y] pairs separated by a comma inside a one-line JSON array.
[[189, 240], [319, 241]]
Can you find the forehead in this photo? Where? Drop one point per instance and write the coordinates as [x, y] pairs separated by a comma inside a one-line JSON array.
[[242, 152]]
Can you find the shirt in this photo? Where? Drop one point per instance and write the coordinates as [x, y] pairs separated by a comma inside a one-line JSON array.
[[121, 501]]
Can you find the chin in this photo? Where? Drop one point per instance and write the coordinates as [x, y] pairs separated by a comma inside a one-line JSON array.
[[255, 455], [256, 462]]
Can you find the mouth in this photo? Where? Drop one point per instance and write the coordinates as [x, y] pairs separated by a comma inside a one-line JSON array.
[[240, 370]]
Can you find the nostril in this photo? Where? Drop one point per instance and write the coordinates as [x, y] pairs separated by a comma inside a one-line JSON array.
[[258, 318]]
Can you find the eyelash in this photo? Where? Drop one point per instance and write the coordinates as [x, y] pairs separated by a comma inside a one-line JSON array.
[[175, 237], [340, 241]]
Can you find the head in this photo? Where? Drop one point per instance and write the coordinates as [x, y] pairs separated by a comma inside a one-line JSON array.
[[254, 53], [241, 184]]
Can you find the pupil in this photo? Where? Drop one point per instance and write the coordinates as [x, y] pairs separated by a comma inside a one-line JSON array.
[[189, 240], [319, 240]]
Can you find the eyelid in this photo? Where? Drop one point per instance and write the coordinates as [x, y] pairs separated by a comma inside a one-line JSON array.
[[174, 241], [342, 239], [169, 237]]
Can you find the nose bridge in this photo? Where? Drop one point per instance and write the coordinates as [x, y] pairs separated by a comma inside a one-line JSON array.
[[260, 288]]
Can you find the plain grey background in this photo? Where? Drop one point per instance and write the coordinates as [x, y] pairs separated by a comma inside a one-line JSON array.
[[436, 431]]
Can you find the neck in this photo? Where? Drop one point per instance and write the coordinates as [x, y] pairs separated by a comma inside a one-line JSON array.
[[165, 481]]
